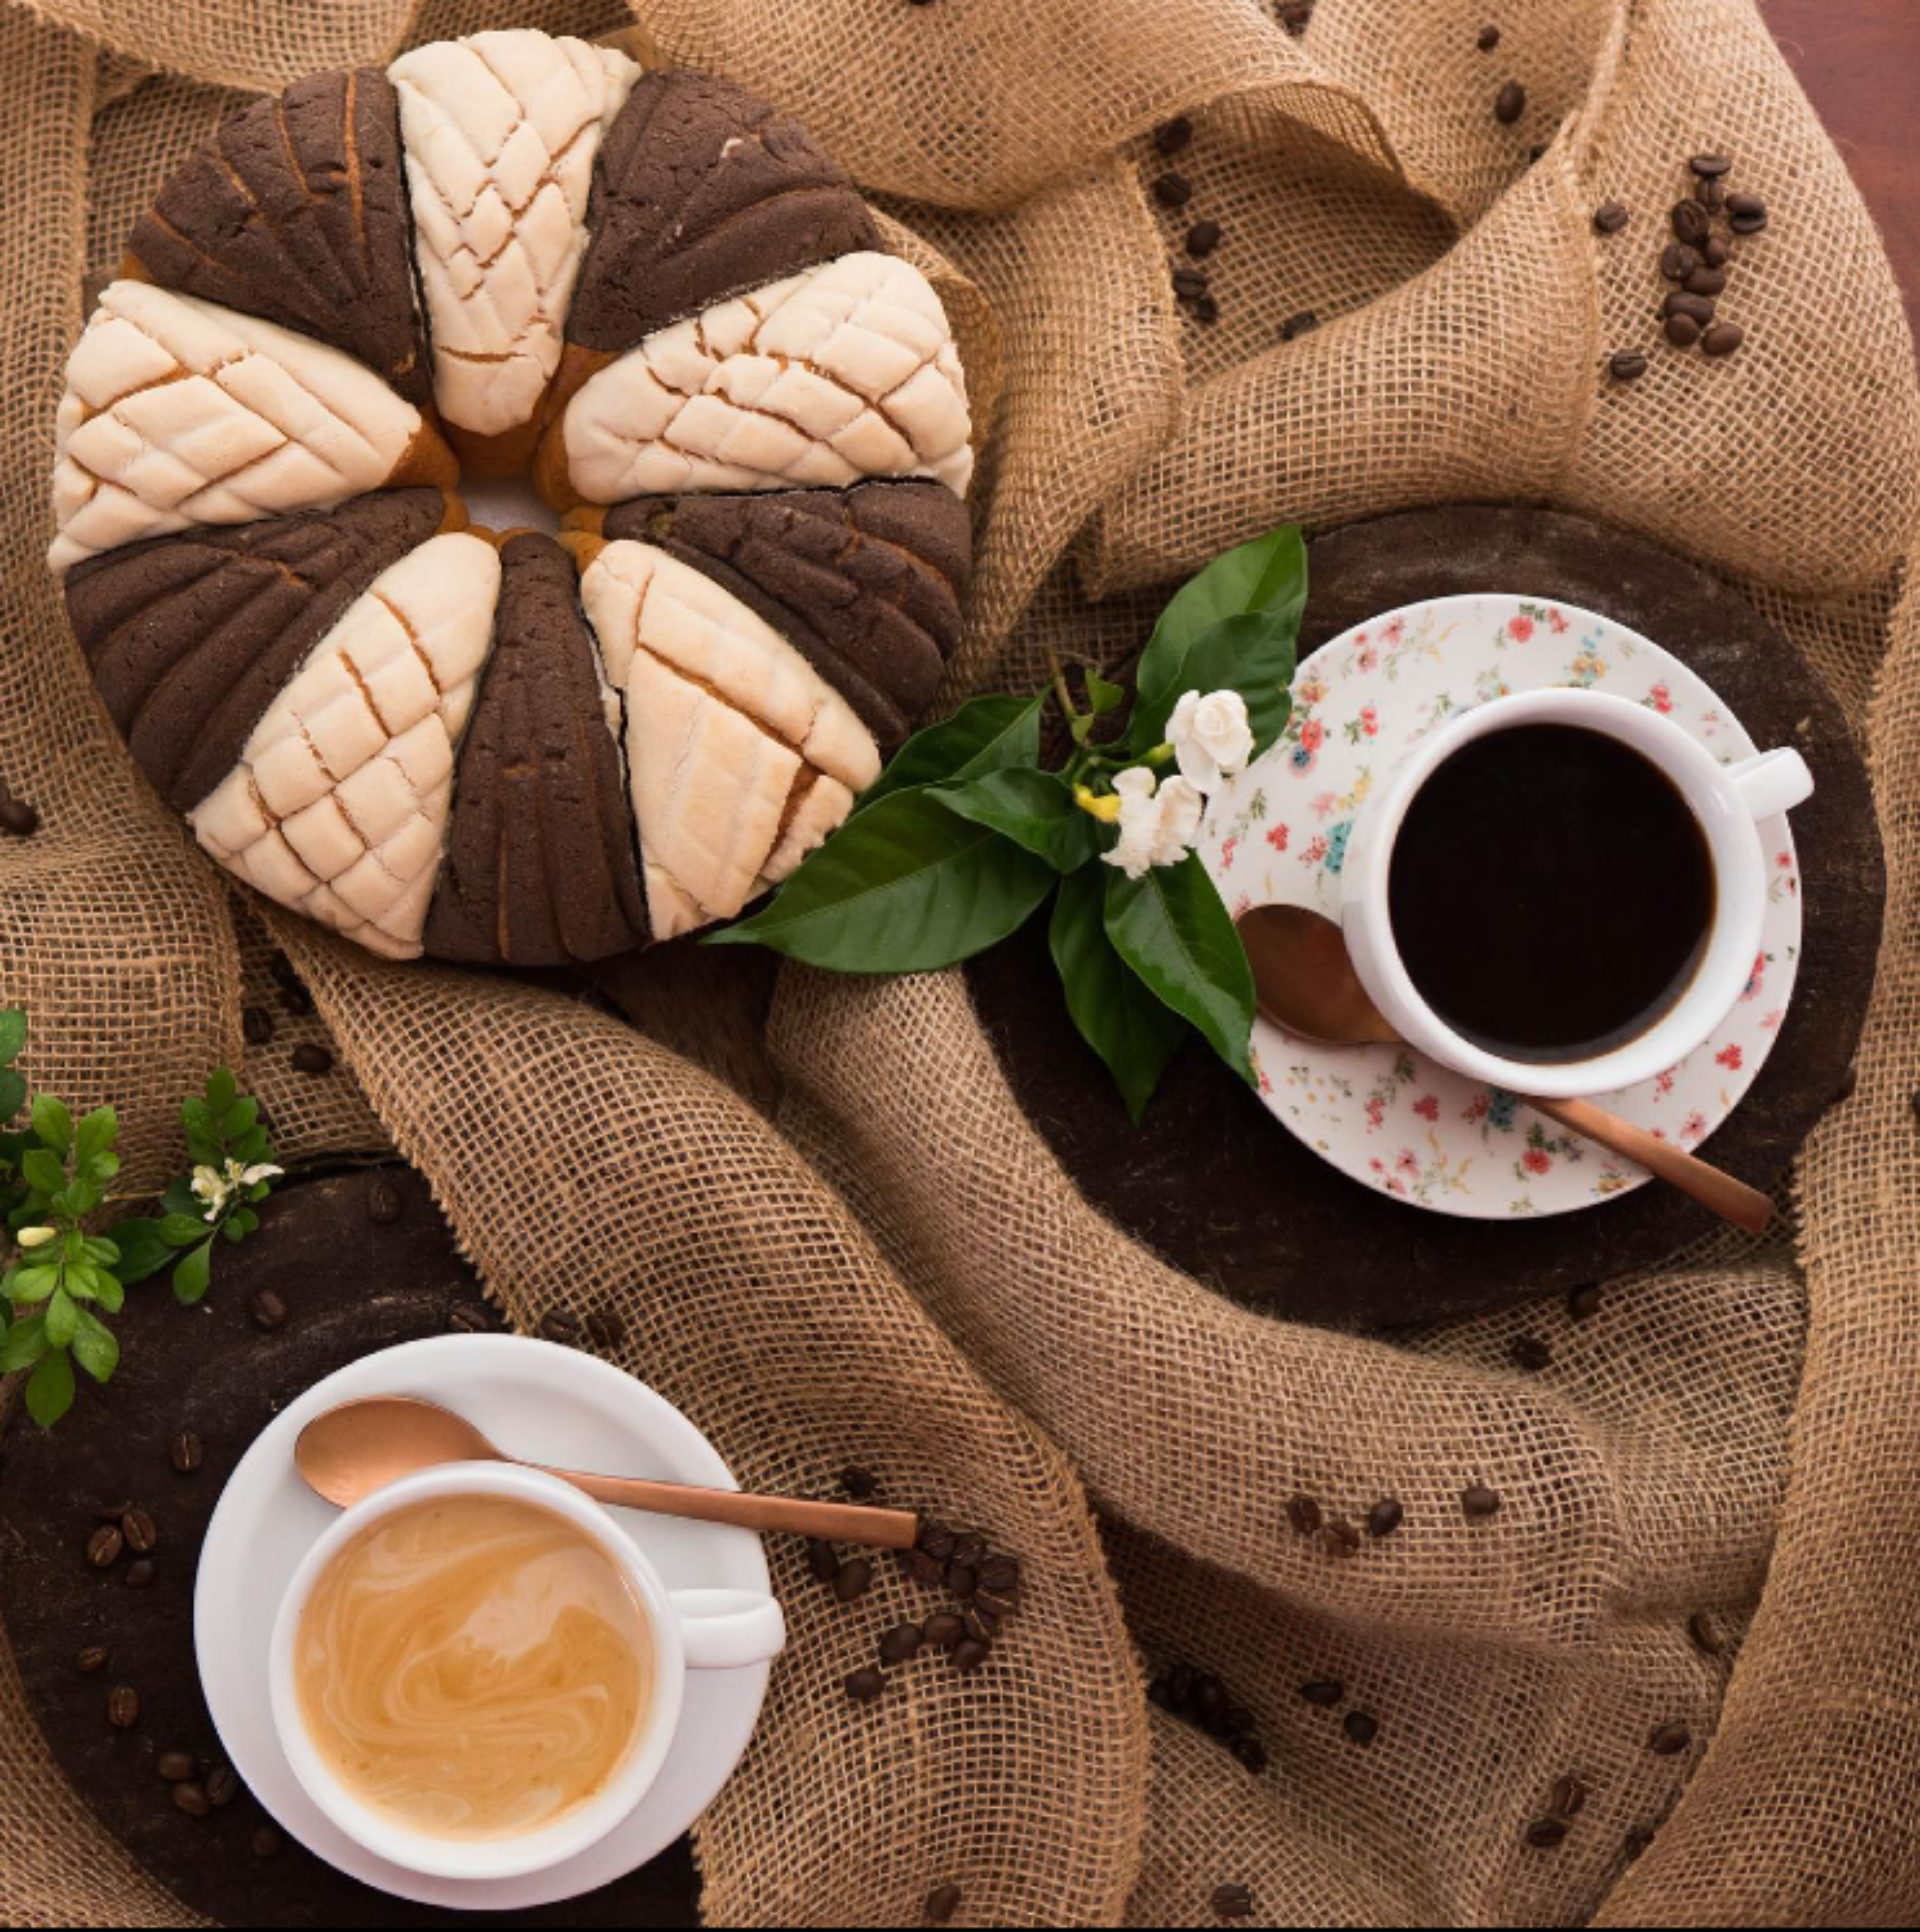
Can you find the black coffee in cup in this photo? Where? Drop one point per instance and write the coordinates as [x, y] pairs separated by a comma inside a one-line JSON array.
[[1551, 892]]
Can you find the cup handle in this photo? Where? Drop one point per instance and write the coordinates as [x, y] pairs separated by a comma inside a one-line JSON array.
[[728, 1629], [1771, 781]]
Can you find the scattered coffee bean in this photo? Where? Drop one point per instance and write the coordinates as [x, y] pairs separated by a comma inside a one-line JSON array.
[[1361, 1727], [1745, 207], [858, 1483], [1477, 1502], [141, 1531], [900, 1643], [192, 1799], [123, 1707], [1386, 1516], [854, 1581], [1705, 1635], [470, 1318], [1709, 167], [1706, 281], [997, 1604], [1489, 39], [1294, 16], [1568, 1795], [1627, 365], [1304, 1514], [1000, 1574], [1510, 103], [92, 1660], [1204, 309], [1304, 323], [1690, 223], [268, 1310], [1709, 194], [1172, 190], [176, 1767], [140, 1575], [266, 1843], [968, 1655], [184, 1452], [311, 1057], [936, 1540], [104, 1546], [942, 1902], [1610, 217], [1669, 1740], [1700, 307], [606, 1327], [561, 1325], [866, 1683], [1545, 1833], [1176, 135], [17, 818], [222, 1786], [1252, 1753], [256, 1025], [1583, 1303], [1232, 1902], [822, 1564], [1636, 1841], [1203, 238], [944, 1629], [1722, 339], [1682, 331], [1716, 251], [962, 1580], [1529, 1352], [970, 1548], [1324, 1691], [1340, 1538], [982, 1626], [1181, 1680], [296, 1001], [1678, 261], [1189, 283], [383, 1201], [1209, 1696], [112, 1512], [927, 1571]]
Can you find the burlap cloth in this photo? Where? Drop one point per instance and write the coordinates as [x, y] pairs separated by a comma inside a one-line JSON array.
[[892, 1270]]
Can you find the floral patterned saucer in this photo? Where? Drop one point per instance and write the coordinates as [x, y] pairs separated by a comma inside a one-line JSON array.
[[1390, 1117]]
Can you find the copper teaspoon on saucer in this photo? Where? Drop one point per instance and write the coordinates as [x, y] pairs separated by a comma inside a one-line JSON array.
[[1304, 981], [349, 1452]]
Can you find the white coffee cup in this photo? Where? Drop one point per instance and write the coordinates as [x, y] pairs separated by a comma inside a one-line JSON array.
[[689, 1630], [1728, 801]]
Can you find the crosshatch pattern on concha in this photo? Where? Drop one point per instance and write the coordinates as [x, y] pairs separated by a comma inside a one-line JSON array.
[[659, 300]]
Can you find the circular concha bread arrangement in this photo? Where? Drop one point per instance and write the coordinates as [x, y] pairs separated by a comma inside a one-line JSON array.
[[513, 253]]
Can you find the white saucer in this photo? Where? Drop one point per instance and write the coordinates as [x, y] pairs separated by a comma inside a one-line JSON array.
[[1277, 834], [532, 1398]]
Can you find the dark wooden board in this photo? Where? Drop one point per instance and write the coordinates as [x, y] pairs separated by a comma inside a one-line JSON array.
[[351, 1287], [1221, 1189]]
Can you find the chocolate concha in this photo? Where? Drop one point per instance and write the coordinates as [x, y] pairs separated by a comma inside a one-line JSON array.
[[190, 637], [542, 868], [865, 583], [295, 210], [703, 191]]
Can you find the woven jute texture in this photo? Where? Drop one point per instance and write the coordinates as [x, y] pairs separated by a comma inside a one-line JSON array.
[[881, 1263]]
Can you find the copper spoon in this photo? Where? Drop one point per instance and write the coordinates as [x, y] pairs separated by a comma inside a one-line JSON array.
[[1303, 980], [362, 1446]]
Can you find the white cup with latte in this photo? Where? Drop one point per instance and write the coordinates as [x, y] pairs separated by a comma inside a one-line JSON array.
[[477, 1674]]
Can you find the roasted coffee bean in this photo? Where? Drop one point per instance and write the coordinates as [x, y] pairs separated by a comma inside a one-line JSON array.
[[970, 1548], [606, 1327], [140, 1575], [1489, 39], [1340, 1538], [174, 1766], [1386, 1516], [1000, 1573], [968, 1655], [1709, 194], [936, 1539], [1678, 261], [92, 1660], [222, 1786], [266, 1843], [383, 1201], [962, 1579], [18, 819], [1182, 1680], [1745, 208], [1361, 1727], [1709, 167], [256, 1025], [1700, 307], [1478, 1502], [1238, 1721], [1209, 1696], [1744, 225], [184, 1452], [994, 1603], [282, 969], [1251, 1752], [1174, 136], [1324, 1691], [1583, 1303], [268, 1310], [1627, 365], [1716, 251], [1669, 1740], [1636, 1841], [1172, 190], [1681, 330], [141, 1531], [1545, 1833], [858, 1483], [866, 1683], [1610, 217], [1294, 15], [900, 1643], [112, 1512], [1568, 1795], [822, 1564], [1722, 339], [942, 1902], [470, 1318], [855, 1579], [981, 1625], [943, 1629], [1232, 1902], [1690, 223], [1304, 323], [1529, 1352], [104, 1546], [311, 1057], [560, 1325], [1205, 309], [1706, 281], [1304, 1514], [1510, 103], [929, 1572], [296, 1001], [1189, 283], [123, 1707], [192, 1799], [1705, 1636], [1203, 238]]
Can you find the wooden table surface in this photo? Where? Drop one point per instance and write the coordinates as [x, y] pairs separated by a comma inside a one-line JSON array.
[[1859, 61]]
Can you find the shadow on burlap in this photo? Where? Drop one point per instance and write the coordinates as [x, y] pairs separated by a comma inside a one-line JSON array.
[[898, 1274]]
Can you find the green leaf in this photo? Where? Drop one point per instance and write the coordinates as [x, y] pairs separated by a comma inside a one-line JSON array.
[[191, 1274], [26, 1342], [180, 1199], [905, 887], [1102, 696], [13, 1034], [221, 1090], [52, 1122], [110, 1294], [1172, 928], [13, 1093], [182, 1230], [95, 1135], [95, 1349], [985, 734], [63, 1320], [50, 1388], [1034, 809], [198, 1118], [43, 1170], [1126, 1025], [33, 1284], [79, 1198], [239, 1117], [144, 1250]]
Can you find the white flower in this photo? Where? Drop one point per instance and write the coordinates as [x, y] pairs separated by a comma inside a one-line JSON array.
[[1158, 823], [36, 1237], [212, 1187], [1180, 805], [1211, 736], [247, 1176]]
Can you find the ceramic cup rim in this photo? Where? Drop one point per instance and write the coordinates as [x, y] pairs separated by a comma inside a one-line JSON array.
[[585, 1824], [1733, 937]]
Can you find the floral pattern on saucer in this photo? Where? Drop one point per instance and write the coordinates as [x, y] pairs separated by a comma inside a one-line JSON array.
[[1387, 1116]]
